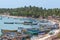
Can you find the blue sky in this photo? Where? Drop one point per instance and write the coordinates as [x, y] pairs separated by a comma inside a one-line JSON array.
[[38, 3]]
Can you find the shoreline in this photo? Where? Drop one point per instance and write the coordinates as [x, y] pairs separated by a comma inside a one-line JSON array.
[[13, 16]]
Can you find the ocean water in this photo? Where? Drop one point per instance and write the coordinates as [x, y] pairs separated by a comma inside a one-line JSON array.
[[14, 26]]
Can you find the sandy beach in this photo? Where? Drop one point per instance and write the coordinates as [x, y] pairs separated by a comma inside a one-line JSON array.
[[13, 16]]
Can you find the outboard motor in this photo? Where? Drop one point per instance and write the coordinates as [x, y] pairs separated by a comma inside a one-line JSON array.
[[20, 29]]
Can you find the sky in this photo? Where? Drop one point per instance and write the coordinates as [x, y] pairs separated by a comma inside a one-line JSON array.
[[22, 3]]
